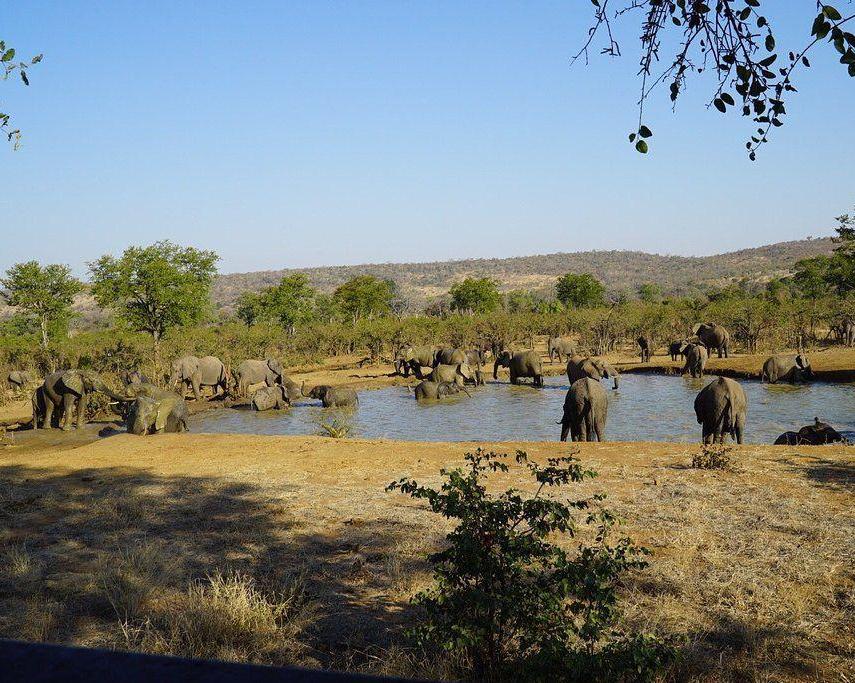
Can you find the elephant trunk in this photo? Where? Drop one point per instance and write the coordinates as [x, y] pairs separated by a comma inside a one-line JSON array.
[[496, 369]]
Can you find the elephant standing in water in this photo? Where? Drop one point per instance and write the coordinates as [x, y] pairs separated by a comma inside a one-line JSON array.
[[580, 366], [713, 336], [414, 358], [199, 372], [475, 360], [645, 344], [586, 409], [558, 345], [458, 374], [18, 379], [277, 397], [696, 359], [153, 410], [252, 372], [520, 364], [447, 355], [721, 408], [788, 368], [333, 397], [67, 391], [430, 390]]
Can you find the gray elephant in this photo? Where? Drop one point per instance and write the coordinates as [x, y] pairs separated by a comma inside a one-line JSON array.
[[67, 391], [475, 360], [447, 355], [677, 348], [786, 368], [581, 366], [645, 344], [520, 364], [157, 411], [847, 329], [134, 377], [721, 409], [428, 390], [18, 379], [333, 397], [560, 345], [193, 372], [414, 358], [458, 374], [271, 398], [817, 434], [253, 372], [586, 409], [696, 359], [714, 337]]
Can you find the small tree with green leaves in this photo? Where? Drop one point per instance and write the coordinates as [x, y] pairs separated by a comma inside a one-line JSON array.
[[44, 295], [156, 288], [365, 296], [475, 295], [516, 604], [580, 290]]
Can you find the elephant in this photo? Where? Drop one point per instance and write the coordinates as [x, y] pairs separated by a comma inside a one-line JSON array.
[[415, 358], [558, 345], [67, 390], [696, 359], [646, 345], [275, 397], [157, 411], [580, 366], [713, 336], [721, 409], [817, 434], [18, 379], [333, 397], [196, 373], [586, 408], [430, 390], [788, 368], [449, 356], [847, 328], [520, 364], [250, 372], [458, 374], [677, 348], [134, 377], [475, 360]]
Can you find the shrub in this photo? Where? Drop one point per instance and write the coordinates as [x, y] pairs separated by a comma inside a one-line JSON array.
[[335, 429], [713, 457], [515, 604]]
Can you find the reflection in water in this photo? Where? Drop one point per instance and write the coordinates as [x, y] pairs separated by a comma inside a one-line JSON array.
[[646, 408]]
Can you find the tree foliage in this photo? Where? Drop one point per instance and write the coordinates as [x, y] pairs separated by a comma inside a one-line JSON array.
[[817, 276], [475, 295], [10, 66], [42, 294], [579, 290], [732, 39], [365, 296]]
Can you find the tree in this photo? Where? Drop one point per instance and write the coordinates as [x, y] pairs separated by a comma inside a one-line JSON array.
[[248, 308], [815, 277], [364, 296], [580, 291], [732, 39], [475, 295], [9, 66], [291, 302], [156, 288], [650, 293], [44, 294]]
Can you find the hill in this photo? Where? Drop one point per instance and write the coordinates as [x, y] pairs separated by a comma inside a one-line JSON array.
[[421, 283]]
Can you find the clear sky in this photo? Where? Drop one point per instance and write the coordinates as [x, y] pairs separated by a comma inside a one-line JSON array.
[[286, 134]]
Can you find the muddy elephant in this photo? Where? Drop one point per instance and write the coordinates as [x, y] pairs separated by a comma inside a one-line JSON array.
[[645, 345], [414, 358], [581, 366], [193, 372], [714, 337], [475, 360], [332, 397], [157, 411], [447, 355], [696, 359], [252, 372], [586, 409], [459, 374], [67, 392], [520, 364], [677, 348], [429, 390], [786, 368], [721, 409], [18, 379], [556, 346], [817, 434], [275, 397]]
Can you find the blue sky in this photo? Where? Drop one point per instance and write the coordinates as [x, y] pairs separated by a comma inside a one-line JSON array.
[[286, 134]]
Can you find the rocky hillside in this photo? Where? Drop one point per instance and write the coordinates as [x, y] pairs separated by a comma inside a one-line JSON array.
[[420, 283]]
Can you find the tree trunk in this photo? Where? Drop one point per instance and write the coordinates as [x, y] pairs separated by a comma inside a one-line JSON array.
[[44, 332]]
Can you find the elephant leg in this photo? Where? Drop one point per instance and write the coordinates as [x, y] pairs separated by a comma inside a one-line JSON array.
[[739, 428], [82, 403], [47, 420], [601, 431], [68, 401], [565, 429], [197, 390]]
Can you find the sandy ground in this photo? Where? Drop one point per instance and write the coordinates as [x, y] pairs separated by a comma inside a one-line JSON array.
[[752, 569]]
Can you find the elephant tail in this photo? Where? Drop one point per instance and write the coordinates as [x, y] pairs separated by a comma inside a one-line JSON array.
[[727, 419]]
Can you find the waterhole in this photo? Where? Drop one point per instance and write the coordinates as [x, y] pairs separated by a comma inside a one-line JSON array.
[[645, 408]]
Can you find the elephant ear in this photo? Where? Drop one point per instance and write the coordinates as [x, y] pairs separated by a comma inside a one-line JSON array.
[[275, 366], [465, 370], [163, 410], [696, 327], [73, 382]]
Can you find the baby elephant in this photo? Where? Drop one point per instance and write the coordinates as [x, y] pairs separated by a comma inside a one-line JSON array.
[[157, 412], [586, 408], [17, 379], [429, 390], [817, 434], [271, 398], [333, 397], [696, 359], [786, 368]]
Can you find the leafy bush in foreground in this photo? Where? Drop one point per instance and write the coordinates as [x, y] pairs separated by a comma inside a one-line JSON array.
[[513, 602]]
